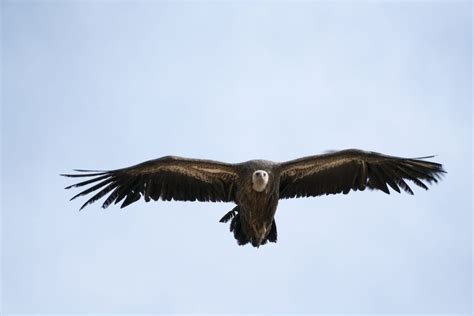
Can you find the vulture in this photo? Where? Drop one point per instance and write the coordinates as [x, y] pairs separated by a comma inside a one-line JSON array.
[[255, 186]]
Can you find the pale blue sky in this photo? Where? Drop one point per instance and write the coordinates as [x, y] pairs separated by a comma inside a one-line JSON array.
[[103, 85]]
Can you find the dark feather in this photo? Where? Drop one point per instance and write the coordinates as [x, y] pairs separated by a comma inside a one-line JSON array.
[[93, 188], [389, 177], [377, 180], [230, 215], [339, 172], [101, 193], [167, 178], [236, 228], [272, 236], [80, 184]]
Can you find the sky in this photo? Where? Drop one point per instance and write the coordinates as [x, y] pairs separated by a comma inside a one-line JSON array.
[[104, 85]]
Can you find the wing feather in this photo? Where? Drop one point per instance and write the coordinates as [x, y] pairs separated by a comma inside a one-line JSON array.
[[98, 195], [377, 180], [390, 177], [352, 169], [93, 188], [167, 178]]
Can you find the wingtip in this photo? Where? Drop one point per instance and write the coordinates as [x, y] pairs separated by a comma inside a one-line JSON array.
[[425, 157], [87, 170], [83, 205], [84, 173]]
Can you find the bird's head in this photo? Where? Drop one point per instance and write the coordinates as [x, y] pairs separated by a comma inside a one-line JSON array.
[[259, 180]]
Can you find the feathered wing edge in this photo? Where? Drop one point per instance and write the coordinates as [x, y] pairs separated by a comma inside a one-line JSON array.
[[340, 172], [167, 178]]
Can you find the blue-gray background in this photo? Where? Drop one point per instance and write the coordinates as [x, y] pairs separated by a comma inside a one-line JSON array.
[[104, 85]]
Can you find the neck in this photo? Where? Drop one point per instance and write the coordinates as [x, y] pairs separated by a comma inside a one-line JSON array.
[[259, 185]]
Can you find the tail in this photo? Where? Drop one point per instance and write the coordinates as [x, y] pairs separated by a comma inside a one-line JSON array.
[[236, 228]]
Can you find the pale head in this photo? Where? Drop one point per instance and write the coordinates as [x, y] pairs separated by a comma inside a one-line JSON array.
[[259, 180]]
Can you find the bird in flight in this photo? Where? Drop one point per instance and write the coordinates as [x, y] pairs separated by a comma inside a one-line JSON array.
[[255, 186]]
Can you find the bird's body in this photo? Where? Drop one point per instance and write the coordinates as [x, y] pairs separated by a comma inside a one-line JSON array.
[[257, 202], [256, 186]]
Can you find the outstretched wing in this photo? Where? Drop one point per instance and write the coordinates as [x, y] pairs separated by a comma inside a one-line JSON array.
[[167, 178], [339, 172]]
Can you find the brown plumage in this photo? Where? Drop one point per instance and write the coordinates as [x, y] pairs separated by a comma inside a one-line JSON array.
[[257, 185]]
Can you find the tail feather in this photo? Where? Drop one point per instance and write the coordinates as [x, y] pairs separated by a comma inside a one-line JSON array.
[[272, 237], [235, 227]]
